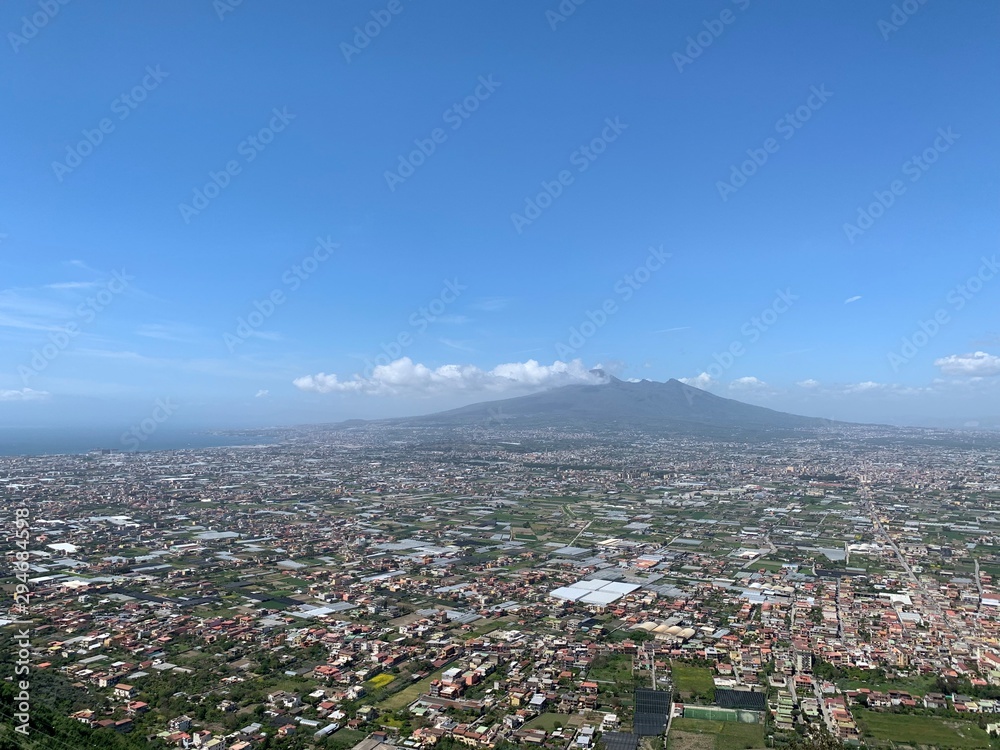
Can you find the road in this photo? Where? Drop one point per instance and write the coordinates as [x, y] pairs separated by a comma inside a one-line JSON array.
[[585, 527], [925, 592], [979, 585]]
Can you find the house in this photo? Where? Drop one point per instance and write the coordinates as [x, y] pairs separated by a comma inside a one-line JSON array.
[[281, 699], [124, 691], [86, 716], [879, 700], [935, 701], [179, 723]]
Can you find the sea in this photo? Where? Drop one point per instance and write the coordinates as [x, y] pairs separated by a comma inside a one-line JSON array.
[[47, 441]]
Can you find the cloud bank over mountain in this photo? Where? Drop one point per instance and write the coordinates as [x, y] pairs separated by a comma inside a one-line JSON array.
[[403, 376]]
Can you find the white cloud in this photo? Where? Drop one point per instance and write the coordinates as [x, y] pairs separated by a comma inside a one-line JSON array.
[[178, 332], [748, 383], [977, 364], [455, 344], [849, 300], [808, 383], [866, 387], [491, 304], [72, 285], [611, 366], [703, 381], [24, 394], [405, 376], [24, 308], [870, 387], [263, 392], [673, 330]]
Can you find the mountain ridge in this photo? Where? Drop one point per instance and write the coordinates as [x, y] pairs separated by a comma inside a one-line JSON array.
[[654, 406]]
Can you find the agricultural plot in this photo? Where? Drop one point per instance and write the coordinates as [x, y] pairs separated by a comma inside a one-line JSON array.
[[699, 734], [927, 731], [690, 680]]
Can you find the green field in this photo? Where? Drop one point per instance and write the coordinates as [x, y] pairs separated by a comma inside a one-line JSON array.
[[616, 669], [272, 604], [488, 626], [548, 722], [407, 695], [914, 685], [345, 738], [690, 680], [727, 735], [925, 730], [769, 565]]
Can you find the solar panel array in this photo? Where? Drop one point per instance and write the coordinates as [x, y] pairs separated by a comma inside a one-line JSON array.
[[620, 741], [649, 725], [652, 709], [745, 699]]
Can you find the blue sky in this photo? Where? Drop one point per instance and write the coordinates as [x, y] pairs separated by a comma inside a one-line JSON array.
[[789, 203]]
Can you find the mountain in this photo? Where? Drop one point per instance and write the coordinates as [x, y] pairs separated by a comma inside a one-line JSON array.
[[647, 405]]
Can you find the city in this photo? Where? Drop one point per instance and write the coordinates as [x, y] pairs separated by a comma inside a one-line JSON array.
[[402, 586]]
